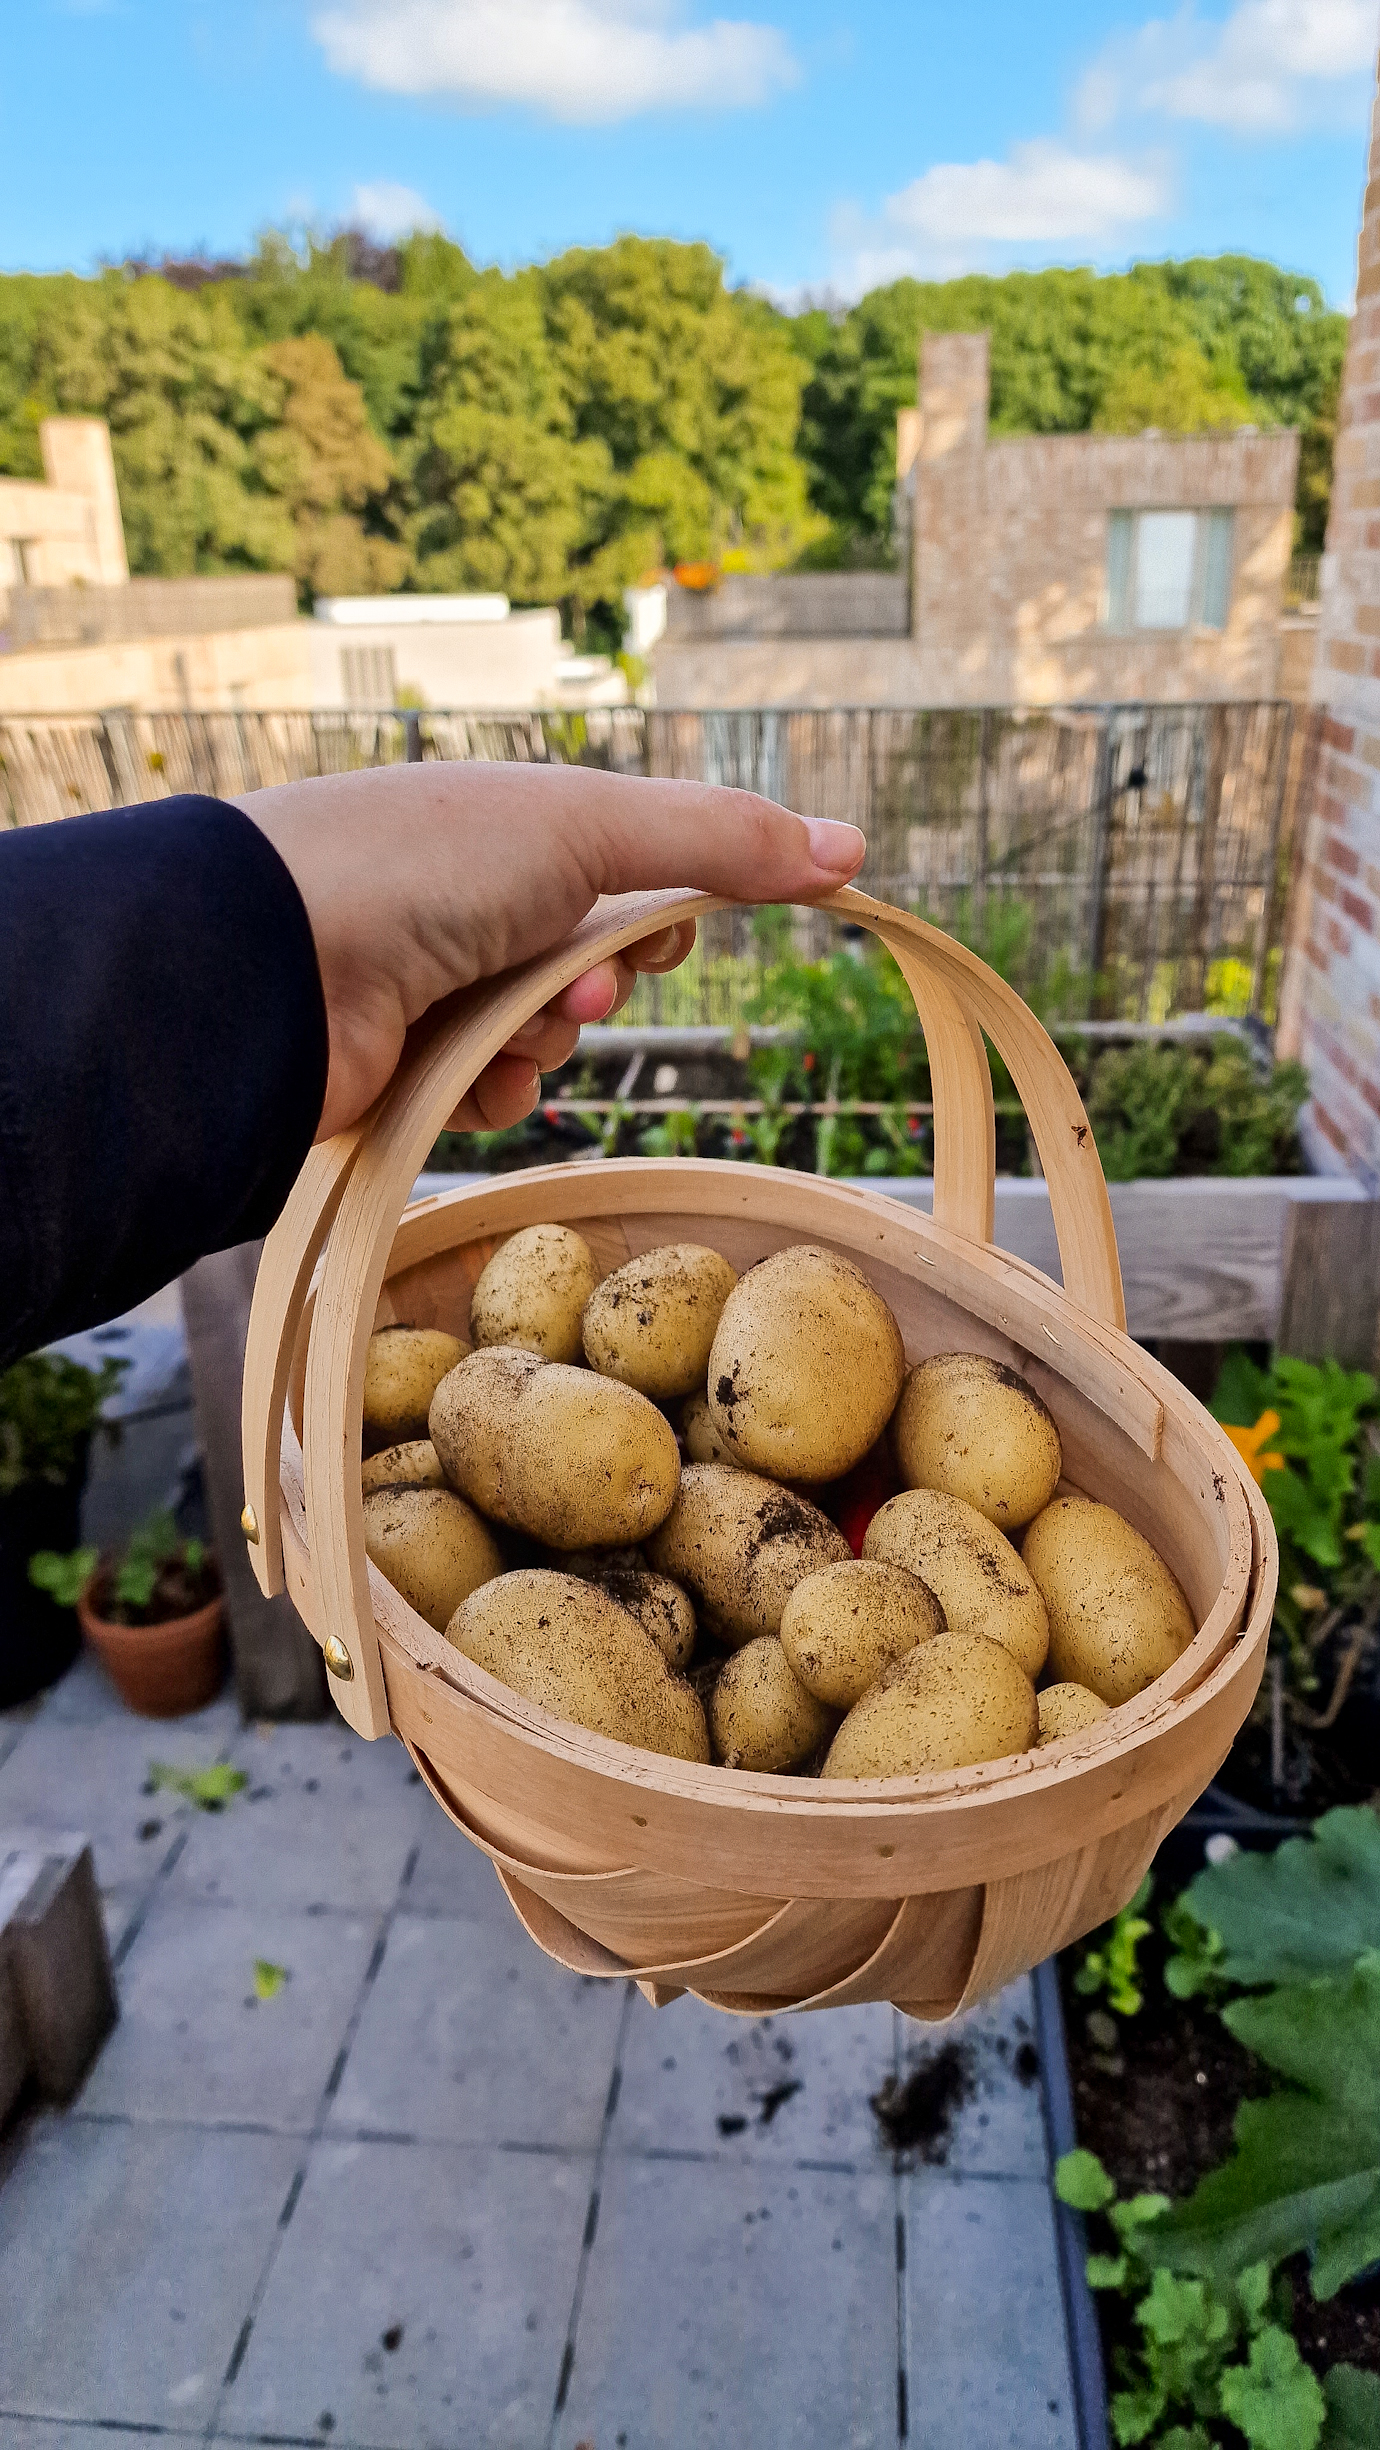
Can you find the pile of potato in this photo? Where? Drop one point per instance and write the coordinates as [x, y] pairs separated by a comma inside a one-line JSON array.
[[620, 1498]]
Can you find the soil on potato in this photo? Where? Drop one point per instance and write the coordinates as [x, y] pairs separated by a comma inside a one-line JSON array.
[[1157, 2108]]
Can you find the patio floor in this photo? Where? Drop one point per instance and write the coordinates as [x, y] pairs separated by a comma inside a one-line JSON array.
[[436, 2190]]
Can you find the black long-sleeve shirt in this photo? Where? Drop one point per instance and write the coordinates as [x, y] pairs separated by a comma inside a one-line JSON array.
[[162, 1054]]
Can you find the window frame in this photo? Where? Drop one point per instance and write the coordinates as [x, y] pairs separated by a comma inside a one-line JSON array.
[[1213, 580]]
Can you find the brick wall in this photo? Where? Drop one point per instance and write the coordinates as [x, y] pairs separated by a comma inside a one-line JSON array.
[[1332, 1005]]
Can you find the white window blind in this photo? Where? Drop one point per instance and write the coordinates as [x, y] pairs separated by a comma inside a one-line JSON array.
[[1169, 569]]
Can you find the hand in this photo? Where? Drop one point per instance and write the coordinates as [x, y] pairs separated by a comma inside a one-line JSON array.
[[420, 879]]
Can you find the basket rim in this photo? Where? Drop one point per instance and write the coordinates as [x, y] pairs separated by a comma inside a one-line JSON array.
[[1215, 1655]]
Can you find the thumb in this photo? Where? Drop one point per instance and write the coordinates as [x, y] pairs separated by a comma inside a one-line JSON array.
[[629, 834]]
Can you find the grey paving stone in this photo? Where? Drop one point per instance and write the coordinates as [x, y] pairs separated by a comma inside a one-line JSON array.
[[87, 1698], [326, 1820], [997, 2128], [465, 2261], [726, 2307], [128, 2259], [988, 2354], [68, 1774], [471, 2035], [776, 2089], [452, 1877], [193, 2041], [51, 2433]]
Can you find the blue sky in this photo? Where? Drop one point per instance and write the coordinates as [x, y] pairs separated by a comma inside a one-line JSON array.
[[818, 144]]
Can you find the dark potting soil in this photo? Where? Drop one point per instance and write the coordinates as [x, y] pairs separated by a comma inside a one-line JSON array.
[[1158, 2108]]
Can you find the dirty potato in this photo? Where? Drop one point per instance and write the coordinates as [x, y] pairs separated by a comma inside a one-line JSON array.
[[1117, 1617], [979, 1431], [533, 1292], [565, 1644], [413, 1465], [576, 1460], [845, 1626], [660, 1606], [760, 1715], [949, 1703], [431, 1546], [973, 1570], [806, 1366], [402, 1370], [1066, 1709], [699, 1436], [652, 1323], [740, 1545]]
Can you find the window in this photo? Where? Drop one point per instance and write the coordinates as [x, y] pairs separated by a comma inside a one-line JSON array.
[[367, 677], [1169, 569]]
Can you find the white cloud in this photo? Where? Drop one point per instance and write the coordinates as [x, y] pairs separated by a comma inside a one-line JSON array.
[[958, 216], [387, 210], [575, 60], [1270, 65]]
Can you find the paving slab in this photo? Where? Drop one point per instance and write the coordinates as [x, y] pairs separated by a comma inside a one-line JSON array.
[[51, 2433], [992, 2124], [91, 1775], [452, 1876], [988, 2351], [194, 2041], [776, 2089], [731, 2306], [326, 1820], [128, 2259], [470, 2035], [419, 2298]]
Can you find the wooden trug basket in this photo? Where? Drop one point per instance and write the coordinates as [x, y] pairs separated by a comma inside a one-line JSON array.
[[760, 1893]]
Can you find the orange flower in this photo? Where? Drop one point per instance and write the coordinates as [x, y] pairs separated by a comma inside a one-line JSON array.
[[1248, 1443]]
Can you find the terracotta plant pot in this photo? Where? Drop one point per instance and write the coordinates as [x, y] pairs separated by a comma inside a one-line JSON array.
[[162, 1671]]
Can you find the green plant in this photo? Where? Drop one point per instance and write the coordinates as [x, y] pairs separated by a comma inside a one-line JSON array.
[[209, 1789], [605, 1128], [1208, 2350], [268, 1978], [63, 1578], [48, 1405], [1324, 1495], [157, 1574], [1310, 1907], [676, 1136], [1111, 1966], [1162, 1110]]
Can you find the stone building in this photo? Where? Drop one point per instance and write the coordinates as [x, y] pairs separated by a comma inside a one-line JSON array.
[[1330, 1012], [1042, 570]]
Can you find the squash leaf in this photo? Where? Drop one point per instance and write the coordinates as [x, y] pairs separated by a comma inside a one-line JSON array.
[[1274, 2398], [1306, 2169], [1311, 1907], [1353, 2409]]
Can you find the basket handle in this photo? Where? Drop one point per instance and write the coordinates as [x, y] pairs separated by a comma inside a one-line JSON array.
[[353, 1190]]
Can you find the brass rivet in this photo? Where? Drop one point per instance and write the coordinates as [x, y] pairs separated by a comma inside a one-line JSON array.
[[249, 1525], [337, 1658]]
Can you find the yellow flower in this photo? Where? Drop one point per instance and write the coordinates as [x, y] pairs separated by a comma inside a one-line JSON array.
[[1248, 1443]]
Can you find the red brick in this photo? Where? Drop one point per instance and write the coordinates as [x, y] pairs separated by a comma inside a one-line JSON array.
[[1345, 658], [1360, 911], [1339, 735], [1339, 855], [1327, 1127], [1325, 886], [1371, 1095], [1338, 938]]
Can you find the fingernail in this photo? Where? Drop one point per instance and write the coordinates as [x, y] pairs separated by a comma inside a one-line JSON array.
[[839, 848], [657, 947]]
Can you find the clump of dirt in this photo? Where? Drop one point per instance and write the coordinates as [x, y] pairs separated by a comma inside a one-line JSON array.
[[916, 2115]]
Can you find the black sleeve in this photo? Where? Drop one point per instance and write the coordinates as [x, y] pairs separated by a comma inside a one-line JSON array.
[[162, 1054]]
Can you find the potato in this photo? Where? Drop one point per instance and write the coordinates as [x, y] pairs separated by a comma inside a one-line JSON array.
[[415, 1465], [576, 1460], [973, 1571], [533, 1292], [844, 1626], [402, 1370], [1066, 1709], [652, 1322], [806, 1366], [760, 1715], [1117, 1617], [660, 1606], [699, 1436], [978, 1431], [431, 1546], [948, 1703], [741, 1545], [565, 1644]]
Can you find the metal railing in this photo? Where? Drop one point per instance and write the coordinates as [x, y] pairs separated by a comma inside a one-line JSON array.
[[1129, 860]]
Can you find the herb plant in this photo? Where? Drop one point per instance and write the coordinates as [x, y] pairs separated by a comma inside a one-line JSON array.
[[1111, 1967], [158, 1575], [48, 1404]]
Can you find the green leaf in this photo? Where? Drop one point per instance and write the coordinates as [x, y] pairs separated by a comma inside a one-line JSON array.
[[1311, 1907], [268, 1978], [1134, 2413], [1081, 2182], [1353, 2409], [1253, 2290], [1306, 2169], [1105, 2270], [1136, 2212], [1174, 2311], [1243, 1390], [1184, 2437], [209, 1789], [1274, 2398], [64, 1578]]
